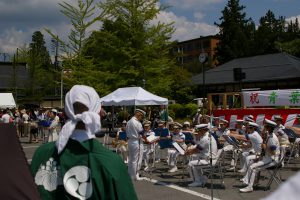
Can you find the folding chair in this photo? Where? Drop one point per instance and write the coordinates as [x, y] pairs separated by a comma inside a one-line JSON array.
[[293, 144], [232, 141], [274, 170], [217, 167]]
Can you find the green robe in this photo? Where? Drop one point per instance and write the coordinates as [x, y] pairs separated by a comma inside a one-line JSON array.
[[81, 165]]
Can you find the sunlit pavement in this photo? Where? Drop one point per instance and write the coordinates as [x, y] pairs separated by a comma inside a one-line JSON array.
[[160, 184]]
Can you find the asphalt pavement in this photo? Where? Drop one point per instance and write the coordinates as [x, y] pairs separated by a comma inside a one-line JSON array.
[[159, 184]]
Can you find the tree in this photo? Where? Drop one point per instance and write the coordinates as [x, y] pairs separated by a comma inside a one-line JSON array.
[[236, 33], [40, 81], [130, 50], [80, 70], [290, 47], [269, 31]]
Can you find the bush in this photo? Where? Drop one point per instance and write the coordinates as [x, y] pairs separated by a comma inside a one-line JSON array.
[[190, 109], [178, 111]]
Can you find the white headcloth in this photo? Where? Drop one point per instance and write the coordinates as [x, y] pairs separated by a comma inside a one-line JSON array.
[[89, 97]]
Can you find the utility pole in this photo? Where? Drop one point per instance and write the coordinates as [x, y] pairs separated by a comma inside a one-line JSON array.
[[203, 59]]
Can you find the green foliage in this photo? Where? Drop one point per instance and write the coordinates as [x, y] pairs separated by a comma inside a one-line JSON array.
[[41, 76], [269, 31], [130, 49], [191, 109], [182, 111], [290, 47], [176, 109], [236, 33], [79, 69]]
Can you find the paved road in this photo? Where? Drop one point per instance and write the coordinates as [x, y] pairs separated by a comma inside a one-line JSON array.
[[161, 185]]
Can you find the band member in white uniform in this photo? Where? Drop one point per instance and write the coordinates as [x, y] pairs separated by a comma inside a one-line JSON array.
[[239, 133], [202, 149], [179, 137], [282, 136], [256, 142], [148, 147], [134, 130], [271, 150]]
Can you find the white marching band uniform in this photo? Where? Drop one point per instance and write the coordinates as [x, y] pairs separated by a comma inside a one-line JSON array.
[[248, 156], [173, 153], [148, 150], [203, 158], [135, 147], [269, 160]]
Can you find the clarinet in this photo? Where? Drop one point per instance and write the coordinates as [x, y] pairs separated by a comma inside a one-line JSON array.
[[265, 138]]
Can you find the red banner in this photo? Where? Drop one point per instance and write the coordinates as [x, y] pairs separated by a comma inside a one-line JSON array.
[[288, 115]]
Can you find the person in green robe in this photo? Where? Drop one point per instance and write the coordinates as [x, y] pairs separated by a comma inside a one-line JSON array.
[[77, 166]]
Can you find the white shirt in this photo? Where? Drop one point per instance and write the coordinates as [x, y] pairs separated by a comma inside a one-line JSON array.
[[133, 128], [256, 141], [25, 118], [204, 143], [178, 136], [5, 118], [273, 141]]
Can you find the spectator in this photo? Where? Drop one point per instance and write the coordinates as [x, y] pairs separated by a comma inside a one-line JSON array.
[[77, 165]]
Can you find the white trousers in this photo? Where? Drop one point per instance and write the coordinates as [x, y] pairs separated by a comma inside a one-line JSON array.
[[148, 150], [172, 157], [246, 160], [193, 167], [256, 167], [135, 150]]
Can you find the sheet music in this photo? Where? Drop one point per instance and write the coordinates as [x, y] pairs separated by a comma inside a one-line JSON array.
[[151, 138], [178, 148], [290, 120], [260, 119], [232, 121]]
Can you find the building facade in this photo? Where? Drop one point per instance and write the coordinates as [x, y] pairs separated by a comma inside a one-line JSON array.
[[187, 52]]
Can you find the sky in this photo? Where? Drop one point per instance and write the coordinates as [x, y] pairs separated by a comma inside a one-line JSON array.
[[19, 19]]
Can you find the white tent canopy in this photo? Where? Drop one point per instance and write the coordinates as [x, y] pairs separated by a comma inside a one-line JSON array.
[[7, 100], [132, 96]]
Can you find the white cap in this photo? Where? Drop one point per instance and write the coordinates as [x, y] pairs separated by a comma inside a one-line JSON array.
[[187, 123], [124, 122], [177, 125], [248, 119], [253, 124], [251, 117], [201, 126], [239, 121], [54, 110], [147, 123], [277, 117], [161, 122], [270, 123], [141, 111]]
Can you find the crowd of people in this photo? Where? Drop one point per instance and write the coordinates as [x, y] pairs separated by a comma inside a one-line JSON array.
[[42, 124], [252, 147], [74, 164]]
